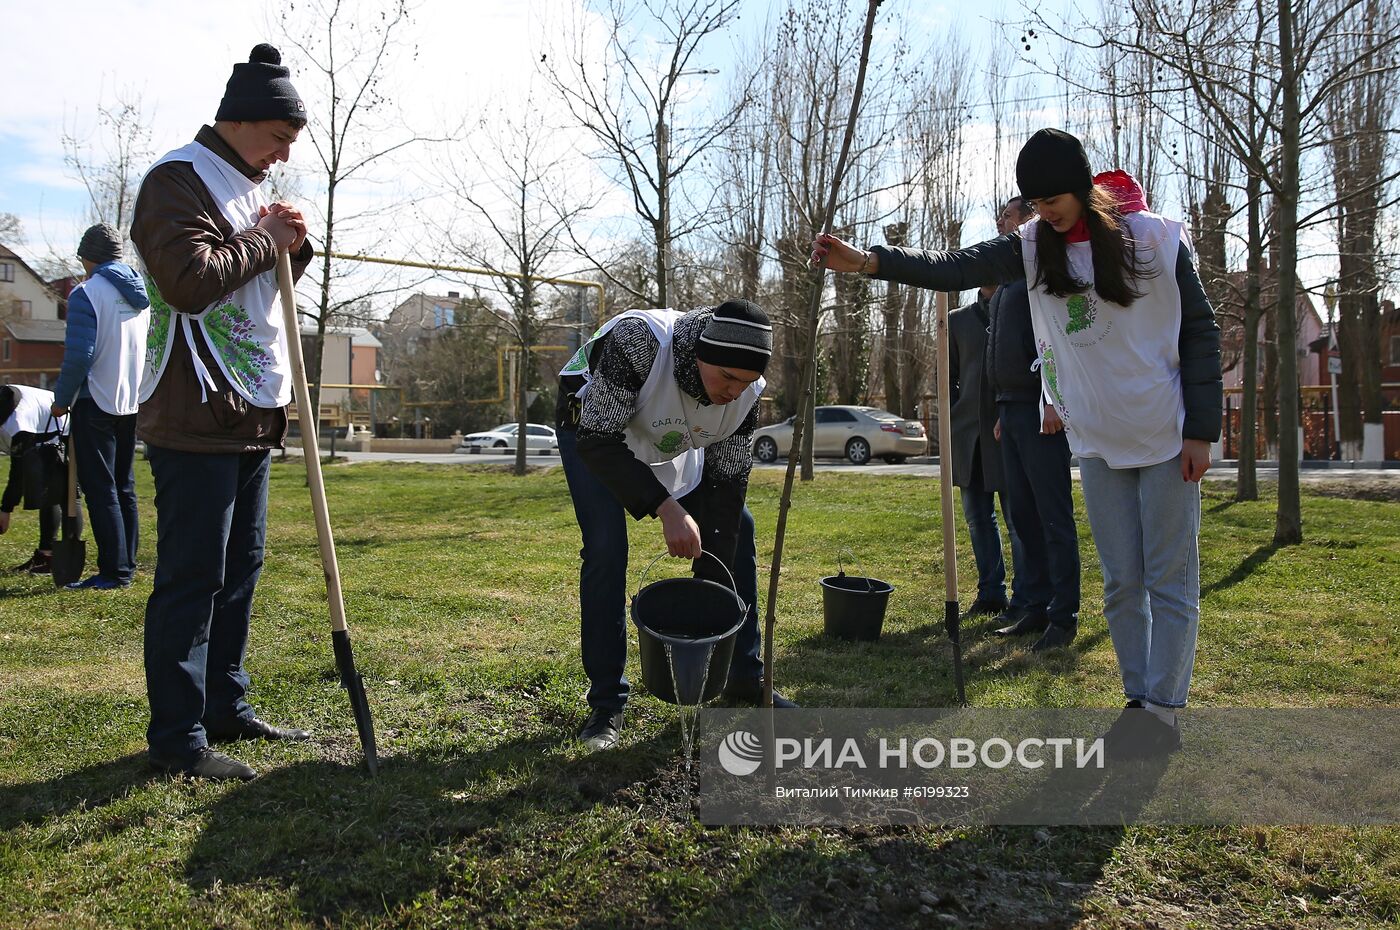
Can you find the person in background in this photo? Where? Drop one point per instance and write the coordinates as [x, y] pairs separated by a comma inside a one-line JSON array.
[[1035, 465], [28, 428], [104, 350], [976, 459]]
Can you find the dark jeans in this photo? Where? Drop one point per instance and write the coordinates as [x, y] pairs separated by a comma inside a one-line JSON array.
[[603, 585], [106, 447], [980, 512], [1036, 470], [211, 526]]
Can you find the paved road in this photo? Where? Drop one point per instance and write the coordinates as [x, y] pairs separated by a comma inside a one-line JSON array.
[[924, 467]]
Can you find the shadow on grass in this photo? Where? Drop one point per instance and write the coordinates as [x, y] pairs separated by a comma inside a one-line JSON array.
[[518, 834], [1252, 563], [92, 787], [924, 655], [348, 847]]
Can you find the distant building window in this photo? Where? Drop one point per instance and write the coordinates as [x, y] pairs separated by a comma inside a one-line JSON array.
[[1395, 350], [26, 308], [7, 272], [443, 316], [6, 351]]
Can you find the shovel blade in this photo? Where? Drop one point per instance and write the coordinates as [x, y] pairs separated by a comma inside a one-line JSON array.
[[354, 685], [69, 560]]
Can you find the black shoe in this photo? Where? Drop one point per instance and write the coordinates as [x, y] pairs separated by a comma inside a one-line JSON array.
[[39, 564], [985, 607], [254, 728], [751, 692], [1140, 734], [206, 764], [1023, 622], [1055, 636], [600, 730]]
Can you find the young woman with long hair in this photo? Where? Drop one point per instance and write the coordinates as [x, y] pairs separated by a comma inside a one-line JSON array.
[[1129, 358]]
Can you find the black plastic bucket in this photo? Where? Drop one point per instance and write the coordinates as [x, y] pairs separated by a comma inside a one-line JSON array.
[[853, 607], [695, 621]]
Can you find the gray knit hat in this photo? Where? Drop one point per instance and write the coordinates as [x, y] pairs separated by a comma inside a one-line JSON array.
[[737, 336], [101, 244]]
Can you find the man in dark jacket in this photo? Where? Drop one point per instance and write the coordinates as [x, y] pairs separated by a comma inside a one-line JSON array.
[[1035, 461], [655, 416], [976, 458], [213, 406]]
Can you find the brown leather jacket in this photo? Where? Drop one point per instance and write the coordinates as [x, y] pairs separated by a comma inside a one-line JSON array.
[[195, 258]]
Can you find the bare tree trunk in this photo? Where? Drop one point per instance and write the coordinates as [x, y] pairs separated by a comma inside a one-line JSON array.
[[1288, 524], [913, 363], [1247, 488], [895, 234]]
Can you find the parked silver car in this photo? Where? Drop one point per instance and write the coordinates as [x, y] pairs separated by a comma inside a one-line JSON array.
[[857, 434], [540, 439]]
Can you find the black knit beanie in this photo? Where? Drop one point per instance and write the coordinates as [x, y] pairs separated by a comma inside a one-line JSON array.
[[737, 336], [260, 89], [1052, 162], [101, 244]]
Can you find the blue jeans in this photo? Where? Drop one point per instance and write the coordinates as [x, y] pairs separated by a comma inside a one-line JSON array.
[[1035, 468], [106, 447], [980, 512], [603, 585], [1145, 523], [211, 527]]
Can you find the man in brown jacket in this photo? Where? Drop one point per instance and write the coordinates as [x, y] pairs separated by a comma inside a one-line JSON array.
[[214, 398]]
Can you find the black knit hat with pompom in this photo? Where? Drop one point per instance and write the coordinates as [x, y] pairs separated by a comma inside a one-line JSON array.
[[261, 89]]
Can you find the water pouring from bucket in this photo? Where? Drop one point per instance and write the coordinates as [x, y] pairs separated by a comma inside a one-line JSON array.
[[686, 629]]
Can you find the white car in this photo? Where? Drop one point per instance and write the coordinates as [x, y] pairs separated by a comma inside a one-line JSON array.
[[539, 438], [856, 434]]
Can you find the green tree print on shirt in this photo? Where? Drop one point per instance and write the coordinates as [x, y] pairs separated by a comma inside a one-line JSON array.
[[1081, 314], [671, 442]]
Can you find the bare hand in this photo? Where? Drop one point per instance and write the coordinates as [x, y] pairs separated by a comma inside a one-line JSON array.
[[296, 219], [841, 256], [681, 531], [58, 410], [4, 523], [1195, 459], [1051, 422], [285, 224], [996, 430]]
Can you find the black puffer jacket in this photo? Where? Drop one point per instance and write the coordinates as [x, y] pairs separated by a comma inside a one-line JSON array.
[[998, 261]]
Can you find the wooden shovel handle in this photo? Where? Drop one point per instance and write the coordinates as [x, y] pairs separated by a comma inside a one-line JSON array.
[[71, 508], [310, 447]]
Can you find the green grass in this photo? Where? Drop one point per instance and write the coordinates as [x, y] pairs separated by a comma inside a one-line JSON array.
[[460, 588]]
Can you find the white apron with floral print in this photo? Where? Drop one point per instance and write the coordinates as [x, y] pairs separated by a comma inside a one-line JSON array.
[[244, 329]]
